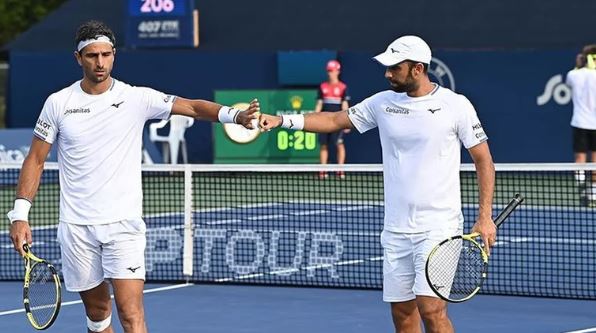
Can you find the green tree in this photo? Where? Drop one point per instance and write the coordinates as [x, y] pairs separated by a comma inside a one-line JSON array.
[[17, 16]]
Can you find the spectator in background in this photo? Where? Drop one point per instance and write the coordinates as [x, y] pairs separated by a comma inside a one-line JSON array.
[[589, 51], [582, 82], [580, 60], [332, 96]]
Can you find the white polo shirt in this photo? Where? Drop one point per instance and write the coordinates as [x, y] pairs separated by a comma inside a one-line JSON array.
[[99, 141], [583, 93], [420, 139]]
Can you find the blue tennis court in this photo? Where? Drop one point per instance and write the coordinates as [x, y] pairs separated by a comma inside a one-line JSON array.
[[230, 308]]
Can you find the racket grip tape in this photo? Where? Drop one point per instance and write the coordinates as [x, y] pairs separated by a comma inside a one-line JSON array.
[[516, 201]]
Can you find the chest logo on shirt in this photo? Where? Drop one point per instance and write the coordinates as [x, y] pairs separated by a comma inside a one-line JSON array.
[[397, 110], [433, 110], [77, 110], [117, 105]]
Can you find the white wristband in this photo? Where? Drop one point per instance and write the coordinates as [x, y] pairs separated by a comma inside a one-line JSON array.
[[20, 212], [293, 121], [227, 115]]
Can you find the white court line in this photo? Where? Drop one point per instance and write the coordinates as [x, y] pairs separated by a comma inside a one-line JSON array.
[[547, 240], [146, 291], [591, 329], [308, 212], [265, 217], [223, 222], [259, 205], [349, 209], [350, 262]]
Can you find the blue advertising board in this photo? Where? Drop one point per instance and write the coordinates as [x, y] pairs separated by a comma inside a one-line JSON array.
[[15, 144]]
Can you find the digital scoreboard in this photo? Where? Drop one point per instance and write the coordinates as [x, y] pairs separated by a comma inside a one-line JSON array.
[[161, 23], [235, 144]]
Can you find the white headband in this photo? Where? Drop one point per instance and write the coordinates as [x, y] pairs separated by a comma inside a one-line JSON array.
[[97, 39]]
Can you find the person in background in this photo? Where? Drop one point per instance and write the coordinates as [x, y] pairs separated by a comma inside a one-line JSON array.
[[332, 97], [580, 60], [582, 81]]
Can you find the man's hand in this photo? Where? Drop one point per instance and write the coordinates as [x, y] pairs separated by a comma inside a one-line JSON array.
[[488, 232], [20, 233], [249, 117], [267, 122]]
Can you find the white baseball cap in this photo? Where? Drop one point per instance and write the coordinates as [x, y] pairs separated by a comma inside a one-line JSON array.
[[411, 48]]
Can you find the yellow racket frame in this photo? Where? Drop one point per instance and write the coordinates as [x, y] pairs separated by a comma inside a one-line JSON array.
[[29, 258], [472, 239], [514, 203]]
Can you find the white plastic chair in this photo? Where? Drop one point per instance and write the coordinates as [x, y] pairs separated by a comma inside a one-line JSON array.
[[172, 143]]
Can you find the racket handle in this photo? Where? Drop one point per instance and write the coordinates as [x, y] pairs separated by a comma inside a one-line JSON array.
[[26, 247], [517, 199]]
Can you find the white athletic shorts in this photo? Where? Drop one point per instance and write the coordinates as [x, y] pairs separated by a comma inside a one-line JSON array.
[[405, 260], [94, 253]]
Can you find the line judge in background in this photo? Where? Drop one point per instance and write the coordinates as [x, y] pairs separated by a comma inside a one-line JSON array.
[[97, 124], [421, 126], [332, 97], [582, 81]]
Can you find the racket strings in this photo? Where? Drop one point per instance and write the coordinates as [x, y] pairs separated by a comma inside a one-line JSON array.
[[43, 296], [456, 269]]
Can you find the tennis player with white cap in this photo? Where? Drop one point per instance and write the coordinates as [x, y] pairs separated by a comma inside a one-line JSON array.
[[422, 127], [97, 124]]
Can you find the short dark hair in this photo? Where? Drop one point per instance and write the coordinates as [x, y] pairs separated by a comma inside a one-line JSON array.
[[92, 29], [589, 49]]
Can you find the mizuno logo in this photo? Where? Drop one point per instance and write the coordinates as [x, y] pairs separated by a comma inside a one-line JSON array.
[[434, 110], [117, 105], [394, 51], [133, 269]]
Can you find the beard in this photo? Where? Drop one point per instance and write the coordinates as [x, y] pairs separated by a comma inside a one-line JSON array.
[[407, 86]]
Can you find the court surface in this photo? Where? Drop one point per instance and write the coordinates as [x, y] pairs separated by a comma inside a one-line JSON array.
[[231, 308]]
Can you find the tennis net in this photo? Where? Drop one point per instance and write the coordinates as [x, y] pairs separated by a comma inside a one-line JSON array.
[[290, 225]]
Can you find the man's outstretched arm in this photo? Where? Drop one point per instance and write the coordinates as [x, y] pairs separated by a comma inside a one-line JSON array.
[[206, 110], [318, 122]]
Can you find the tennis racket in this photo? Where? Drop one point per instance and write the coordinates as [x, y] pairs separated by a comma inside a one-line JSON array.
[[42, 292], [457, 266]]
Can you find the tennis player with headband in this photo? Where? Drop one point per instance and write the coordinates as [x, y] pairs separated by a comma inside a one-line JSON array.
[[97, 124], [422, 126]]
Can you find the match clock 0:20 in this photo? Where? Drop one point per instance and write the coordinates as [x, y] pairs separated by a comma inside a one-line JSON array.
[[296, 140]]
